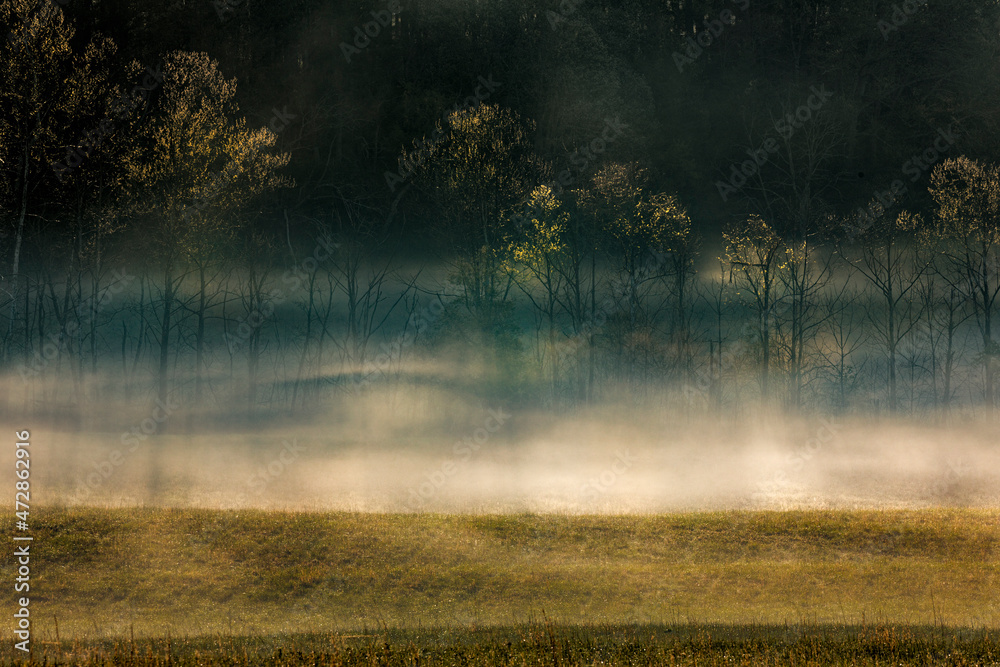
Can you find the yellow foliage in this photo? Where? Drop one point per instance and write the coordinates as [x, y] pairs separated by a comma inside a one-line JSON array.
[[545, 233], [967, 194]]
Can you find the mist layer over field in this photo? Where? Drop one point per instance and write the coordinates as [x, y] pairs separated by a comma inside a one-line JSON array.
[[422, 402], [431, 450]]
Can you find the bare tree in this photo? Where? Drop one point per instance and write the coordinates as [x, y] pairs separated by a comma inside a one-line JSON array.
[[187, 202], [805, 275], [967, 234], [843, 326], [755, 252], [887, 257]]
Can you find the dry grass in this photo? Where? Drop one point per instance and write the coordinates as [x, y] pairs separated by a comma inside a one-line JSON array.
[[543, 643], [112, 572]]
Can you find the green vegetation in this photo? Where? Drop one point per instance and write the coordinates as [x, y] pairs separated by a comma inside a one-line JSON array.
[[547, 644], [154, 572]]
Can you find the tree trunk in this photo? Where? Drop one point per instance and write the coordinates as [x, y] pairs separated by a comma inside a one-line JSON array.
[[308, 339], [19, 235], [168, 297], [199, 353]]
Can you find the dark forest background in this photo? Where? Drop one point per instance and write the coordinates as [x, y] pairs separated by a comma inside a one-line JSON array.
[[269, 204]]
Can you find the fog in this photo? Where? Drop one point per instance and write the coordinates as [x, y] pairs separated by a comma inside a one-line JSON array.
[[336, 295], [433, 450]]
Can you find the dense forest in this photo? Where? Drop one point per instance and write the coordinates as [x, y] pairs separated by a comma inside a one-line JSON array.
[[274, 205]]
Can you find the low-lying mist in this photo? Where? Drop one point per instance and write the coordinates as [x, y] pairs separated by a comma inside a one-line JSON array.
[[436, 448]]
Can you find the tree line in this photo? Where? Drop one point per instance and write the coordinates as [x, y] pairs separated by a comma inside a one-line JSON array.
[[168, 235]]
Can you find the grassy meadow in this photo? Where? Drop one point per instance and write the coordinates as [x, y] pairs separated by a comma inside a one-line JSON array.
[[772, 583]]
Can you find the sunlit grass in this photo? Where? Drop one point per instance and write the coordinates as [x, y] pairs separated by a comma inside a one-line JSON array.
[[114, 572]]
